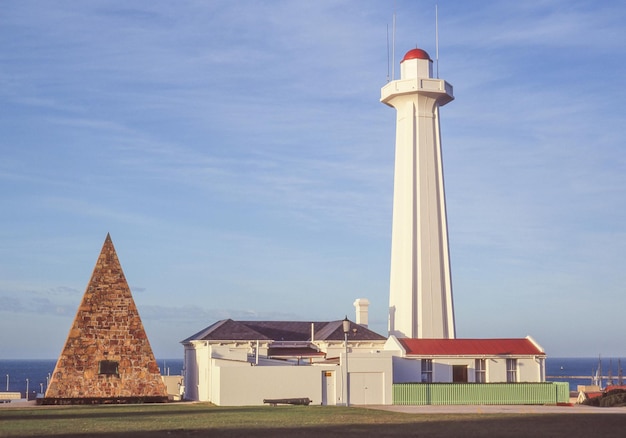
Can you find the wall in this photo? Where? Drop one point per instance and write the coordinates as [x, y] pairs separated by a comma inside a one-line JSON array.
[[196, 362], [530, 370], [408, 370], [233, 381], [214, 386], [200, 363], [336, 348], [249, 386], [370, 378], [173, 385], [370, 381]]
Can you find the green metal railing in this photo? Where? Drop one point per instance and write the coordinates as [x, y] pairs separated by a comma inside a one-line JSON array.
[[480, 393]]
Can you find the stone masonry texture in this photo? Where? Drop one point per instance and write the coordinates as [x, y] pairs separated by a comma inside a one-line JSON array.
[[107, 328]]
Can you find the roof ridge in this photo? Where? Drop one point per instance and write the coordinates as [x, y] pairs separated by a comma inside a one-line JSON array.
[[207, 330], [288, 331]]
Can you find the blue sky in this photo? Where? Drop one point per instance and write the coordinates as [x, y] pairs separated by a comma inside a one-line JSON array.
[[239, 156]]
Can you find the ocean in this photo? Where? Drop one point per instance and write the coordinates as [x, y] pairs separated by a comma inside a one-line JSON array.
[[580, 370], [15, 375]]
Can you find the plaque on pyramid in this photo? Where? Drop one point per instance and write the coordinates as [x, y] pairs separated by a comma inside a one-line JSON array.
[[107, 357]]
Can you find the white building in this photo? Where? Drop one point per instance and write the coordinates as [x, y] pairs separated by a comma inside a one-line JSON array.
[[234, 363], [420, 290], [244, 362], [466, 360]]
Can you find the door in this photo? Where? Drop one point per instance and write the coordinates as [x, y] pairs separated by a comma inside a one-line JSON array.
[[328, 388], [459, 373], [366, 389]]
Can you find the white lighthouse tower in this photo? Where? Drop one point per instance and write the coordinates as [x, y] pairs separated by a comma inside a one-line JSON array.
[[420, 296]]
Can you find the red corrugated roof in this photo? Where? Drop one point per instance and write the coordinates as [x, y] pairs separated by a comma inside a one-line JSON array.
[[469, 347]]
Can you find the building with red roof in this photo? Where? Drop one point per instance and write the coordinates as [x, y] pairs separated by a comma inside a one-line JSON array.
[[495, 360], [244, 362]]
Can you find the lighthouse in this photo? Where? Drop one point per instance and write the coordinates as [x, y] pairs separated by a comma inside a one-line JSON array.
[[420, 287]]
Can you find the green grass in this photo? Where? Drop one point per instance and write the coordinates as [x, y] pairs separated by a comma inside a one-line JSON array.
[[199, 420]]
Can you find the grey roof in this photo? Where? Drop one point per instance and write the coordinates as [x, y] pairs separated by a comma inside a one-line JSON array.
[[292, 331]]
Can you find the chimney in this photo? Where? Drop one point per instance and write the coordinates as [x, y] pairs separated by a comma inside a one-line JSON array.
[[361, 305]]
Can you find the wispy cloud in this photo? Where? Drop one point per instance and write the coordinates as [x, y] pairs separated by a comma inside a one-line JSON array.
[[240, 155], [56, 301]]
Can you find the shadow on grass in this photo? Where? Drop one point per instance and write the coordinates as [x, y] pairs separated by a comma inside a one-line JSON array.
[[111, 411], [518, 425]]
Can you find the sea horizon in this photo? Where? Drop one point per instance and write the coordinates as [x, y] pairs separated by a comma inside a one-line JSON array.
[[18, 375], [32, 375]]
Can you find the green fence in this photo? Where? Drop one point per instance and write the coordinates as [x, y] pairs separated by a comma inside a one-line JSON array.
[[480, 393]]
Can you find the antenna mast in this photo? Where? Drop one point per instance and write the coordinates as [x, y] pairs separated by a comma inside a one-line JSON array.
[[388, 65], [393, 45], [437, 38]]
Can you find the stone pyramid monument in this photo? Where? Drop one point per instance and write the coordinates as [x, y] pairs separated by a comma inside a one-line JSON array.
[[107, 357]]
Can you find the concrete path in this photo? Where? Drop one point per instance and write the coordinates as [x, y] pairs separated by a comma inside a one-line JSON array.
[[499, 409]]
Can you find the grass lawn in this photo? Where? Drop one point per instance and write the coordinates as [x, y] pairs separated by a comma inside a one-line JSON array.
[[198, 420]]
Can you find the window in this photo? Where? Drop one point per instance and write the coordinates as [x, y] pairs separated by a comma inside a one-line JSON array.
[[108, 367], [427, 370], [480, 367], [511, 370]]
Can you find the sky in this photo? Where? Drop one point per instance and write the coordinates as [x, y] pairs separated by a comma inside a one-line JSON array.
[[240, 158]]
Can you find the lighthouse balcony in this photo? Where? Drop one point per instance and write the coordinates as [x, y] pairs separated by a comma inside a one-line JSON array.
[[435, 88]]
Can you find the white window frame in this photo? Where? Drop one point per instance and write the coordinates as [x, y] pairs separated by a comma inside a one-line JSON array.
[[511, 370], [480, 370]]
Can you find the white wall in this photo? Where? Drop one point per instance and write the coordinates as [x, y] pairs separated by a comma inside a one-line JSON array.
[[173, 385], [408, 370], [530, 370], [370, 377], [249, 386], [193, 364], [368, 388], [496, 370], [215, 384], [200, 362], [335, 348], [231, 381]]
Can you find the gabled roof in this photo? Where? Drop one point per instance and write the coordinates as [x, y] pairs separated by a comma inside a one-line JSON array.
[[227, 329], [470, 347], [289, 331]]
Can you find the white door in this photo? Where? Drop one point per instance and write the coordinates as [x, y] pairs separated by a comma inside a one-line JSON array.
[[366, 389], [328, 388]]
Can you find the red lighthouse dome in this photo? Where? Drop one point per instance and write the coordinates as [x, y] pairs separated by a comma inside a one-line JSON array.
[[416, 54]]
